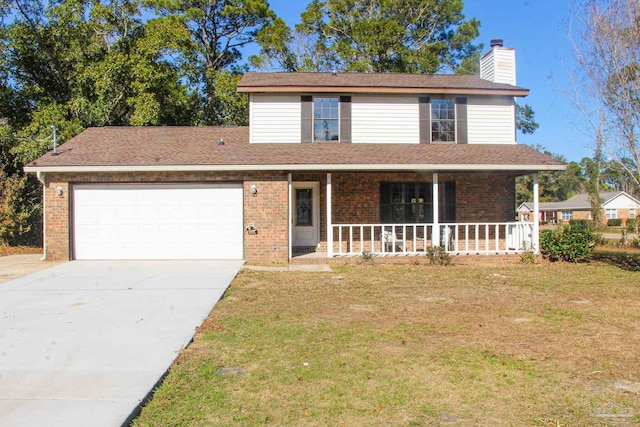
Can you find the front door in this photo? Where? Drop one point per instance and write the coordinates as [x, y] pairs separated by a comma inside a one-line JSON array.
[[304, 214]]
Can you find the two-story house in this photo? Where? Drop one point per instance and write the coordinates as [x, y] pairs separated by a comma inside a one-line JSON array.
[[331, 163]]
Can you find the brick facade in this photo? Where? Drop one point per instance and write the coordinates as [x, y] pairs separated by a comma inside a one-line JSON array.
[[480, 197], [268, 210]]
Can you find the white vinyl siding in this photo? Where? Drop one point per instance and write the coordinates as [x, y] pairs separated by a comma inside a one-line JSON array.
[[499, 66], [385, 119], [275, 118], [622, 202], [491, 120]]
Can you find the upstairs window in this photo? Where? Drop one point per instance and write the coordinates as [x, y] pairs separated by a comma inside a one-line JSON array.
[[443, 120], [326, 119]]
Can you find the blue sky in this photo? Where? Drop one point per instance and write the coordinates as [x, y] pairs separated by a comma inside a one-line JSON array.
[[537, 29]]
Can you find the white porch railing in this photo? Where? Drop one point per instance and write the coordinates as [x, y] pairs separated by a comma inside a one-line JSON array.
[[412, 239]]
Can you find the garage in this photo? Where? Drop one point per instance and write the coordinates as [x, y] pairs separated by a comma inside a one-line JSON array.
[[157, 221]]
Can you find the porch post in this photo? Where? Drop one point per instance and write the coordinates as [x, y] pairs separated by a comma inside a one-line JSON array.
[[289, 215], [435, 234], [329, 224], [536, 215]]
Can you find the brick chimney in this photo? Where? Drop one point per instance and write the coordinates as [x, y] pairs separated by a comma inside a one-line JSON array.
[[499, 64]]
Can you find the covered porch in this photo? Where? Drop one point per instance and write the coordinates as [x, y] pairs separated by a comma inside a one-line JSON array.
[[386, 213]]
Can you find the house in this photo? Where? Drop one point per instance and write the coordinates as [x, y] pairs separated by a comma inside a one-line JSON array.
[[615, 205], [331, 163]]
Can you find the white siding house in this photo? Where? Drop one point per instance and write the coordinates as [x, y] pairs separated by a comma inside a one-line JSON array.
[[491, 120], [385, 119], [274, 118]]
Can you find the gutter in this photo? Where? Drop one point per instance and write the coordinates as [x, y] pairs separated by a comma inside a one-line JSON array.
[[41, 177], [301, 167]]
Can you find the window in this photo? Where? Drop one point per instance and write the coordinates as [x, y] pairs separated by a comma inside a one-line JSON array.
[[632, 214], [412, 202], [443, 120], [567, 215], [611, 213], [325, 119]]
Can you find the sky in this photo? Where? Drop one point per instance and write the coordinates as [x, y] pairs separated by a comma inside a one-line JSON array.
[[538, 31]]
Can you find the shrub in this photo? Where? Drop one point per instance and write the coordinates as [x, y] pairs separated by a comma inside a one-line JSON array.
[[438, 255], [582, 222], [631, 225], [367, 256], [614, 222], [567, 243]]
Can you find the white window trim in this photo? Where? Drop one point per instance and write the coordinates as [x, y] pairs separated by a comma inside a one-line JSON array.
[[455, 120], [313, 118], [611, 213], [567, 214]]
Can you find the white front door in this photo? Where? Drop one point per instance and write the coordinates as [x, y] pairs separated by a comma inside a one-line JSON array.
[[304, 213]]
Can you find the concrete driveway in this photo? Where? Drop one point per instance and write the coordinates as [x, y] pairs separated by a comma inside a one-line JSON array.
[[83, 343]]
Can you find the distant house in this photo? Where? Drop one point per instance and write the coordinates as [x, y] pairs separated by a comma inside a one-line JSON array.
[[616, 205]]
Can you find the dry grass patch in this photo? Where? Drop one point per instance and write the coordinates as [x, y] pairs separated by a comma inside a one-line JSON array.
[[414, 345]]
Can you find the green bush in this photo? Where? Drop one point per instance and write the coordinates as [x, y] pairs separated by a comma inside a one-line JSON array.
[[582, 222], [614, 222], [571, 243], [631, 225]]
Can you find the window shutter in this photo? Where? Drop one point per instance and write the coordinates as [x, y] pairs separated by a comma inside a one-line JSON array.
[[461, 121], [424, 111], [345, 119], [306, 102]]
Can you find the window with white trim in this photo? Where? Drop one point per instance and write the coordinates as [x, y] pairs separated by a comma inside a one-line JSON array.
[[326, 118], [567, 214], [632, 214], [443, 120], [611, 213]]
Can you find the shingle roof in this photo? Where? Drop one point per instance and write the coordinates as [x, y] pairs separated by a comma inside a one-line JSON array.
[[198, 147], [256, 82], [579, 201]]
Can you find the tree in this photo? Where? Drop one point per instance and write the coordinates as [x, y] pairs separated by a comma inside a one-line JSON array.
[[413, 36], [606, 44], [526, 119], [208, 38]]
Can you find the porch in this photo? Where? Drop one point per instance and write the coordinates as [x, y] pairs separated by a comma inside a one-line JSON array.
[[391, 214]]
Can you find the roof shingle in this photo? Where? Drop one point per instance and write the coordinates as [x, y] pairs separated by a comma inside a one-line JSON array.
[[373, 81], [166, 147]]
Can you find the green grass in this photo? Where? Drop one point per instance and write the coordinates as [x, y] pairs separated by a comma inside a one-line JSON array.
[[373, 344]]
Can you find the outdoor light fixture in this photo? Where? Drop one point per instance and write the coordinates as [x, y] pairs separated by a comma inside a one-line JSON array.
[[59, 191], [254, 190]]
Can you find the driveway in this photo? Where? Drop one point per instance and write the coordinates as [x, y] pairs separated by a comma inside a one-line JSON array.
[[83, 343]]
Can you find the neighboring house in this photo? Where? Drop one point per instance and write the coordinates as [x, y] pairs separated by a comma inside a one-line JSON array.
[[615, 205], [337, 164]]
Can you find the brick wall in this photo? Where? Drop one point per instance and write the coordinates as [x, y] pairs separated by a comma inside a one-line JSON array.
[[356, 199], [268, 210]]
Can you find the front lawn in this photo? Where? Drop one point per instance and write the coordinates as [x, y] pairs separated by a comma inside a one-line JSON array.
[[371, 344]]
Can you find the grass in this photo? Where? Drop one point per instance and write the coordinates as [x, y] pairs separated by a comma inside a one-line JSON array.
[[371, 344], [19, 250]]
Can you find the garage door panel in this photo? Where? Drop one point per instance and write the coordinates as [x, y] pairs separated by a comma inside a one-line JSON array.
[[158, 221]]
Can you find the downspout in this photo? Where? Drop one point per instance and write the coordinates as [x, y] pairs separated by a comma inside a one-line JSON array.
[[536, 215], [41, 177], [290, 216]]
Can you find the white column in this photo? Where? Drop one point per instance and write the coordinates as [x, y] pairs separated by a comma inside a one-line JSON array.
[[536, 215], [329, 223], [435, 237], [290, 217]]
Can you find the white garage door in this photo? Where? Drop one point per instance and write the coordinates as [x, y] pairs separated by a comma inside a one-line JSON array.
[[158, 221]]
